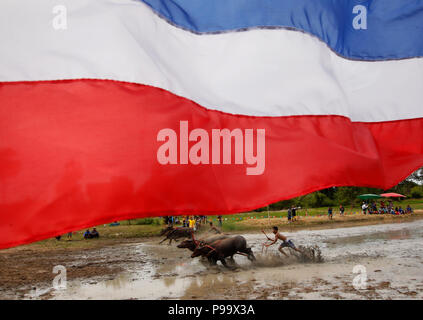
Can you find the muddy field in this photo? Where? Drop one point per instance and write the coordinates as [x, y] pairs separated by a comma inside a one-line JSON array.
[[391, 255]]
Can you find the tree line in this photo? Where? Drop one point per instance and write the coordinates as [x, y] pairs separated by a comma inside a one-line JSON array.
[[412, 187]]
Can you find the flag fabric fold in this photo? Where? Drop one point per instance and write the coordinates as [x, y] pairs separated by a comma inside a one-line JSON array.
[[118, 109]]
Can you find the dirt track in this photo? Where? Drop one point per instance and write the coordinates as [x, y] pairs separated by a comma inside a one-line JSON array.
[[22, 270], [391, 253]]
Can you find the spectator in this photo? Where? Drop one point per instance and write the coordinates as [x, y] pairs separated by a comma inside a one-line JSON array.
[[390, 205], [69, 236], [294, 213], [87, 234], [364, 208], [330, 213], [191, 222], [289, 215], [341, 210], [219, 218], [382, 205], [409, 210], [374, 207], [95, 234]]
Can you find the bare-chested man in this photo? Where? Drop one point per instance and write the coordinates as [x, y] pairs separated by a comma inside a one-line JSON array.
[[285, 241]]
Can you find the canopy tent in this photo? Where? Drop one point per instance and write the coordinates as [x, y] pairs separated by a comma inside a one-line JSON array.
[[392, 195], [369, 196]]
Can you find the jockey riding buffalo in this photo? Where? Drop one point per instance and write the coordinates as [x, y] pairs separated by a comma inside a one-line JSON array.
[[220, 249], [172, 233]]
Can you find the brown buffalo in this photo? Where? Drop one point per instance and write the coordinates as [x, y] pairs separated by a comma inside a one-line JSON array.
[[172, 233], [166, 230], [221, 249]]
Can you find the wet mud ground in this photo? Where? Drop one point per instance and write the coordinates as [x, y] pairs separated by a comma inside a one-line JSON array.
[[390, 254]]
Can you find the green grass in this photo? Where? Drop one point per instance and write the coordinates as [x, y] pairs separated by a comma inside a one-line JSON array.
[[147, 227], [144, 221], [416, 204]]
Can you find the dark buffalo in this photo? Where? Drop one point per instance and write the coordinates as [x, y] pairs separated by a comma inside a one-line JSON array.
[[172, 233], [166, 230], [221, 249], [192, 244]]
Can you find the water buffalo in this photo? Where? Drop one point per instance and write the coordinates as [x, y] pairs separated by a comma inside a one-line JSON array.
[[220, 249], [172, 233], [192, 244], [166, 230]]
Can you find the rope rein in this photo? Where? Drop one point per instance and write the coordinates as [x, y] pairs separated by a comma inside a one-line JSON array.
[[198, 243]]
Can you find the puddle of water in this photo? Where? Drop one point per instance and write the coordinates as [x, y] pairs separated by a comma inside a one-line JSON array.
[[125, 286]]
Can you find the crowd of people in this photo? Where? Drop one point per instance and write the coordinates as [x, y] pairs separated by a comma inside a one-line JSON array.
[[194, 222], [341, 211], [87, 235], [367, 208], [374, 208], [292, 214], [383, 208]]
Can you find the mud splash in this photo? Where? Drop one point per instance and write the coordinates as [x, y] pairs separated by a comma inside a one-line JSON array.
[[308, 254]]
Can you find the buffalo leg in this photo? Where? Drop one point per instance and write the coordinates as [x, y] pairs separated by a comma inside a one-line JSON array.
[[223, 261], [251, 255], [247, 252], [163, 240]]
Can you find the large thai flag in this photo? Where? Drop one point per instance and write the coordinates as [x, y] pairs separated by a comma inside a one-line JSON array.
[[116, 109]]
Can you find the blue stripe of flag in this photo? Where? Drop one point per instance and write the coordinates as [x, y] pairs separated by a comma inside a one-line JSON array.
[[394, 28]]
